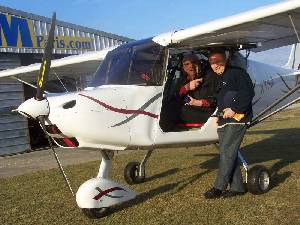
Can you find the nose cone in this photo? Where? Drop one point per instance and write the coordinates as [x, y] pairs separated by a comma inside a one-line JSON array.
[[33, 108]]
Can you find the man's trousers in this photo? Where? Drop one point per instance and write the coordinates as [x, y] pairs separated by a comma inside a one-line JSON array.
[[230, 139]]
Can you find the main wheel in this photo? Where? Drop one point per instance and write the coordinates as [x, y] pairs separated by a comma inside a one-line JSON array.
[[131, 173], [96, 213], [258, 181]]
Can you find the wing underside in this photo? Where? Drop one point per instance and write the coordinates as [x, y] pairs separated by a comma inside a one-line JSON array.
[[272, 26], [74, 66]]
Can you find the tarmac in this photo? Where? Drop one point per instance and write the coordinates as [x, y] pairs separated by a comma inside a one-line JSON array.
[[19, 164]]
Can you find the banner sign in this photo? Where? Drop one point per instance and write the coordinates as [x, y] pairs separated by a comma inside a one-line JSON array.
[[18, 32]]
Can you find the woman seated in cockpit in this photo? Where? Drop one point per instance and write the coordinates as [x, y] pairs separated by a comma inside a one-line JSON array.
[[196, 93]]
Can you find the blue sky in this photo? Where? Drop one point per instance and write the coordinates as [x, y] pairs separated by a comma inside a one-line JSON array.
[[138, 18]]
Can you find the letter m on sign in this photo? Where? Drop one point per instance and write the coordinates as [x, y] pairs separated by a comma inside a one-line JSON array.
[[11, 31]]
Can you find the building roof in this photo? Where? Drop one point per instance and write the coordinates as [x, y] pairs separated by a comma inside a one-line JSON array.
[[27, 15]]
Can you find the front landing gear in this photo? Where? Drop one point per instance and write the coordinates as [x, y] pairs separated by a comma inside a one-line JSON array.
[[257, 177], [97, 195], [134, 172]]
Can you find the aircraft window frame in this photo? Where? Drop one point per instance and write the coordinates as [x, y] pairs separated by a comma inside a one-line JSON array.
[[158, 67]]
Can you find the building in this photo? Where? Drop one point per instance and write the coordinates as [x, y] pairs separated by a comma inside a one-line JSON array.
[[22, 39]]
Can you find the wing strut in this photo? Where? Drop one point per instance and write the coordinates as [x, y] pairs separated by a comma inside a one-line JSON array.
[[27, 83], [60, 80], [294, 27], [257, 119]]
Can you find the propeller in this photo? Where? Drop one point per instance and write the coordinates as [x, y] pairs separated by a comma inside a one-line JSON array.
[[38, 107]]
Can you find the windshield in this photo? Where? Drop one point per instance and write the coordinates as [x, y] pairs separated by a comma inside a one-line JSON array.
[[136, 63]]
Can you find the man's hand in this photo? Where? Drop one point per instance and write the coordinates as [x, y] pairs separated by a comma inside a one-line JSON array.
[[228, 113], [192, 85], [195, 102]]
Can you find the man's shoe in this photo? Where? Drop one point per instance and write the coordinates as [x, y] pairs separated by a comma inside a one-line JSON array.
[[230, 194], [213, 193]]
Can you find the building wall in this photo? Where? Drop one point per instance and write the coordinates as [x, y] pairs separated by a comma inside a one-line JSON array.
[[14, 136]]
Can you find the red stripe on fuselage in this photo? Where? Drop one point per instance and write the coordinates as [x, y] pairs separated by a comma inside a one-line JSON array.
[[118, 110], [190, 124]]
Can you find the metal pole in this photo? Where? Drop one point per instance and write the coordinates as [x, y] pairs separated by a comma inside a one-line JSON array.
[[245, 164], [56, 158], [294, 27], [60, 80]]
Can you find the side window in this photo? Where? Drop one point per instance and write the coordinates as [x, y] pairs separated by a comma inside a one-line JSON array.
[[100, 77], [114, 69], [118, 71], [147, 66]]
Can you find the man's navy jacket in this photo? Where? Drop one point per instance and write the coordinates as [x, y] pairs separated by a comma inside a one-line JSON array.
[[235, 90]]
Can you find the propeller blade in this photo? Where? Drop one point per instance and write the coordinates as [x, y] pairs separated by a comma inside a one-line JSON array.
[[46, 62]]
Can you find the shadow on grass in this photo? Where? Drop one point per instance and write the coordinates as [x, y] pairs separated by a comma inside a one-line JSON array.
[[282, 146], [163, 174], [143, 197]]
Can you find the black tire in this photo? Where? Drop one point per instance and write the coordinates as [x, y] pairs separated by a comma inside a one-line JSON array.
[[258, 181], [131, 173], [96, 213]]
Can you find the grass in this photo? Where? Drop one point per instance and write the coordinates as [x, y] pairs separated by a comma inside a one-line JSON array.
[[172, 193]]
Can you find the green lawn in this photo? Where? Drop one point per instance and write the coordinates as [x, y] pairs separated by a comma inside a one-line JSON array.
[[172, 194]]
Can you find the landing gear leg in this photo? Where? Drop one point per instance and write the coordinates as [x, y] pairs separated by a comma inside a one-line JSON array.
[[134, 172], [257, 177], [106, 162]]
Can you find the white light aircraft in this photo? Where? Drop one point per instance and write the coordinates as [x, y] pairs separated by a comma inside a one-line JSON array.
[[128, 105]]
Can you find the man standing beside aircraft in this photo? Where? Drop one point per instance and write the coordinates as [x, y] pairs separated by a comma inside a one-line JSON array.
[[234, 101]]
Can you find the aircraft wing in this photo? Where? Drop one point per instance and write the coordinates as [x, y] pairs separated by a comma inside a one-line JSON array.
[[271, 26], [76, 65]]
